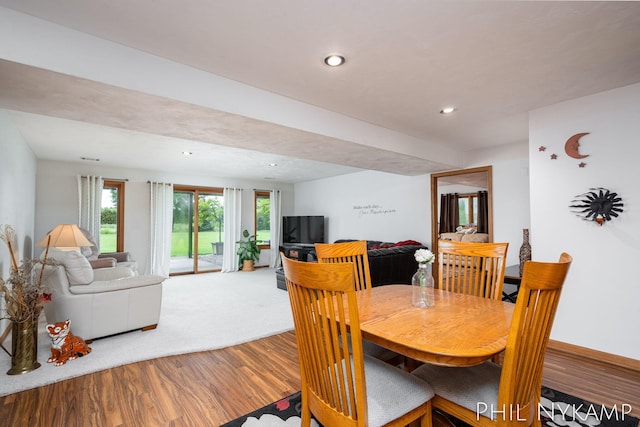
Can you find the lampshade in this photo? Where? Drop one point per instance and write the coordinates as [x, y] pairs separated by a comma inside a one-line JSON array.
[[65, 236]]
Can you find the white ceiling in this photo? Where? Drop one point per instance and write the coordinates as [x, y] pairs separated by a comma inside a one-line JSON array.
[[494, 61]]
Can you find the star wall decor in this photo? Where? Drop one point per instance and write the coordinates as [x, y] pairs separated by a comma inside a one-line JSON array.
[[542, 148], [554, 156]]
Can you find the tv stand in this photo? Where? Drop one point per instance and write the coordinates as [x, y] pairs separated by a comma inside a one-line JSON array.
[[299, 251]]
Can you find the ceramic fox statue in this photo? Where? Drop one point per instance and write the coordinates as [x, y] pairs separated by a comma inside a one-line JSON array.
[[64, 345]]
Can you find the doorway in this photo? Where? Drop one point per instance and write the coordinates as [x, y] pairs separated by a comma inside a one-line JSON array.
[[197, 239], [465, 183]]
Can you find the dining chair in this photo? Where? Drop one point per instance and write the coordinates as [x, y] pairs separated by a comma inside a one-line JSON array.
[[508, 395], [356, 253], [472, 268], [340, 385]]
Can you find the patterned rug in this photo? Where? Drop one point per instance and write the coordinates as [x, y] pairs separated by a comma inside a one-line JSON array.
[[556, 410]]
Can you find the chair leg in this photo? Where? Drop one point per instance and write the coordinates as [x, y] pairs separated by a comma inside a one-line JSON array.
[[150, 327], [428, 420], [305, 420]]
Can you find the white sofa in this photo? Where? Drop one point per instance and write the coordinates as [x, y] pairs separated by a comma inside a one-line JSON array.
[[100, 302]]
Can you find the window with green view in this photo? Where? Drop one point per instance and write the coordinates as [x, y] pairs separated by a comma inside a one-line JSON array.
[[263, 218]]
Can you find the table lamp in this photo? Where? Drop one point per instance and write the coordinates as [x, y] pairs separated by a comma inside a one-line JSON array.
[[65, 237]]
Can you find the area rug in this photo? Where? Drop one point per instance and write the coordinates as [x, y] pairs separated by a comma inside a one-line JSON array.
[[556, 409], [199, 312]]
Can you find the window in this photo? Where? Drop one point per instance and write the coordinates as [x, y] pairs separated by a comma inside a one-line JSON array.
[[112, 217], [263, 219], [468, 208]]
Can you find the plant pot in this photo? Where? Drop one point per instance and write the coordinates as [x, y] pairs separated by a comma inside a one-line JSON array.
[[247, 265], [24, 348]]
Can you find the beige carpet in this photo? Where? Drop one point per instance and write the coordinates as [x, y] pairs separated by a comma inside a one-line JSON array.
[[199, 312]]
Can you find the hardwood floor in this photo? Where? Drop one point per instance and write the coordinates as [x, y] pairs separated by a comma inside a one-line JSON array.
[[213, 387]]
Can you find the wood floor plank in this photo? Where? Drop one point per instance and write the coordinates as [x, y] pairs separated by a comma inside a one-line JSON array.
[[213, 387]]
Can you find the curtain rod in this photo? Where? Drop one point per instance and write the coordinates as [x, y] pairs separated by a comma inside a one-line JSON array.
[[106, 179], [154, 182]]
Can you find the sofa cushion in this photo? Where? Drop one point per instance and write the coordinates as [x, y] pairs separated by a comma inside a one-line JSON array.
[[77, 267], [464, 237], [103, 262], [123, 283], [118, 256], [475, 238], [455, 237], [118, 272]]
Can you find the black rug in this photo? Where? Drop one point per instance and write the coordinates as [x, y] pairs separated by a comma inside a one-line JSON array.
[[557, 409]]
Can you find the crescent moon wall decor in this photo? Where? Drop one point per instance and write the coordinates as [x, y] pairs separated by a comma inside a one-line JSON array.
[[598, 204], [571, 147]]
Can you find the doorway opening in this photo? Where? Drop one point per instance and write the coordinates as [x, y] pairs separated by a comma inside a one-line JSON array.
[[197, 238]]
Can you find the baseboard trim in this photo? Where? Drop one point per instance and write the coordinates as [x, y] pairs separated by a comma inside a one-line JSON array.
[[595, 355]]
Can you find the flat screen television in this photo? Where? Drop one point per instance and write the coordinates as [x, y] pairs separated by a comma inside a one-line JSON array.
[[303, 229]]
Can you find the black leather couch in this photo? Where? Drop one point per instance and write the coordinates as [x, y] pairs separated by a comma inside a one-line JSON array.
[[388, 264]]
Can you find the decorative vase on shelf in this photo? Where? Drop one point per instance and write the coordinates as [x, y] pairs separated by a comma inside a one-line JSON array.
[[525, 249], [422, 284]]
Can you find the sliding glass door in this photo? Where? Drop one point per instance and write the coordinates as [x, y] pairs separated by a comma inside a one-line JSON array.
[[198, 230]]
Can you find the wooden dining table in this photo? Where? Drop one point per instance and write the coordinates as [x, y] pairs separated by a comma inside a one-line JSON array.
[[459, 330]]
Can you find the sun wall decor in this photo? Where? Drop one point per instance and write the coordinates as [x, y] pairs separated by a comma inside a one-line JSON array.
[[597, 204]]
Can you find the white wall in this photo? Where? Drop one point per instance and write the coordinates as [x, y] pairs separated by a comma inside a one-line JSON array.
[[380, 206], [57, 199], [17, 194], [510, 179], [369, 205], [599, 305]]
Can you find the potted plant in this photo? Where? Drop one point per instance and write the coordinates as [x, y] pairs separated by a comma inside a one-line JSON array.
[[248, 251]]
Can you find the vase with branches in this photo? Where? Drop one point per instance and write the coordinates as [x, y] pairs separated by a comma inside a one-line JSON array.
[[24, 297]]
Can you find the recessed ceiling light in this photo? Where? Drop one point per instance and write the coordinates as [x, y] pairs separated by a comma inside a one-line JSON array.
[[334, 60], [187, 153], [447, 110], [273, 164]]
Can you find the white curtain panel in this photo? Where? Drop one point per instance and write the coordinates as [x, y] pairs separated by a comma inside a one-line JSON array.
[[275, 223], [232, 228], [161, 225], [90, 204]]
